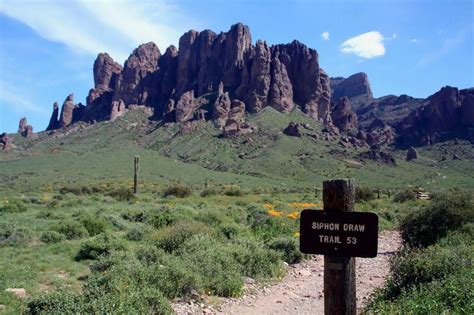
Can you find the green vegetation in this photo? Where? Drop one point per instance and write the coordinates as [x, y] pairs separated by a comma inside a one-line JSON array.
[[211, 211], [434, 273]]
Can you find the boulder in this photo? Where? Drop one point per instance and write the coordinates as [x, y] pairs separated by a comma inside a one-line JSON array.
[[5, 141], [412, 154], [19, 292], [376, 155], [293, 130]]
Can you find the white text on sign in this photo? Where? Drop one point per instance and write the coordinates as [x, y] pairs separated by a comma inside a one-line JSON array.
[[336, 227]]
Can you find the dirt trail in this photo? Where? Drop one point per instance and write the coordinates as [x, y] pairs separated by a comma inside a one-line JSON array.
[[301, 290]]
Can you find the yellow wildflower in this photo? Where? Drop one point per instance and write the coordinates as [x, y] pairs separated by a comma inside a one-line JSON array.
[[293, 215], [274, 213], [296, 234]]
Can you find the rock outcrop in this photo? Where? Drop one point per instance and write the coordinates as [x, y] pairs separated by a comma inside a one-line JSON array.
[[293, 130], [377, 155], [67, 111], [5, 141], [449, 113], [343, 117], [54, 120], [412, 154], [280, 76], [24, 129], [22, 125], [355, 86]]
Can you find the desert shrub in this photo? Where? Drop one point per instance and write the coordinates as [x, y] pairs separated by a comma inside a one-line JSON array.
[[177, 190], [256, 261], [71, 229], [230, 230], [11, 234], [453, 295], [363, 194], [209, 192], [122, 194], [404, 195], [288, 247], [413, 267], [135, 215], [161, 218], [136, 233], [94, 224], [49, 215], [57, 302], [218, 271], [170, 238], [268, 227], [233, 191], [149, 254], [13, 206], [100, 245], [447, 211], [50, 237]]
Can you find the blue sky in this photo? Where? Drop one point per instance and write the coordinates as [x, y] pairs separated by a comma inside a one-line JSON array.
[[47, 48]]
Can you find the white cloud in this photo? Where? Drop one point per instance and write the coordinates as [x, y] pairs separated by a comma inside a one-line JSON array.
[[368, 45], [325, 35], [414, 40], [92, 26]]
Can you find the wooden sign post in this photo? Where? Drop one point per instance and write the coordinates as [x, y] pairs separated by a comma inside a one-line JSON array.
[[136, 172], [339, 234], [339, 271]]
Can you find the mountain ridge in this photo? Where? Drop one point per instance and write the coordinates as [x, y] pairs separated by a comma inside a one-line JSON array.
[[223, 77]]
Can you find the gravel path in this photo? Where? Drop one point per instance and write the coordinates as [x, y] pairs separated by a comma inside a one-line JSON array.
[[301, 290]]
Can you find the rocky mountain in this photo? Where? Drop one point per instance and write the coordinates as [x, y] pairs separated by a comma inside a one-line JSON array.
[[223, 77], [449, 113], [226, 68]]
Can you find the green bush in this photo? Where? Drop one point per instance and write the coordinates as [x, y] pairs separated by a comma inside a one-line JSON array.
[[13, 206], [50, 237], [256, 261], [100, 245], [136, 233], [161, 218], [447, 211], [233, 191], [57, 302], [413, 267], [94, 224], [218, 271], [230, 230], [289, 249], [71, 229], [453, 295], [209, 192], [363, 194], [170, 238], [405, 195], [10, 234], [177, 190], [122, 194]]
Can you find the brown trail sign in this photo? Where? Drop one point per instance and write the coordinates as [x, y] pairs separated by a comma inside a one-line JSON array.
[[340, 234]]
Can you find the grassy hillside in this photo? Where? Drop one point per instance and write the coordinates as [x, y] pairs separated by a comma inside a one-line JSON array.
[[266, 159]]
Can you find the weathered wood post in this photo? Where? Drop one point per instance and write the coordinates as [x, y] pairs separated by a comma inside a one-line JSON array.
[[317, 193], [378, 193], [389, 193], [136, 165], [339, 271]]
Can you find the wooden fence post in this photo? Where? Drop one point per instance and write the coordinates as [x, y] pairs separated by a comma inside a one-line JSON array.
[[136, 165], [339, 272]]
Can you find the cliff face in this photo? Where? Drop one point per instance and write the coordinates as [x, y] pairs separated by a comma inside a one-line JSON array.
[[449, 113], [280, 76]]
